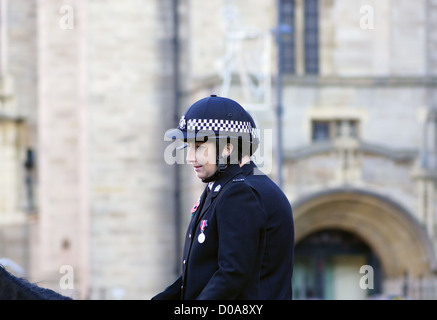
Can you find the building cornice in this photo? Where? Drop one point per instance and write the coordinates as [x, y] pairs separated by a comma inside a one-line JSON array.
[[361, 81], [397, 155]]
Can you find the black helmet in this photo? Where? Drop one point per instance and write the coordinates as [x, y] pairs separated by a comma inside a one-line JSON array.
[[218, 118], [254, 142], [215, 117]]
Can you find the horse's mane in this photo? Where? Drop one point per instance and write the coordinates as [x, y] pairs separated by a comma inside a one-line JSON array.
[[14, 288]]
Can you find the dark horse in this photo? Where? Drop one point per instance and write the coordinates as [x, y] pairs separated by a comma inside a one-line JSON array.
[[13, 288]]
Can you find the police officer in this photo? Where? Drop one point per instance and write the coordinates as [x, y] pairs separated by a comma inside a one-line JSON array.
[[277, 266], [224, 243]]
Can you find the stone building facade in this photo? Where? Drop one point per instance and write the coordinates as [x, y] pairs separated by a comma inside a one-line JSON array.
[[90, 207]]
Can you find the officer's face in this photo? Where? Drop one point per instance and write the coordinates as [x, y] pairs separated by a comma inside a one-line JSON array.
[[202, 156]]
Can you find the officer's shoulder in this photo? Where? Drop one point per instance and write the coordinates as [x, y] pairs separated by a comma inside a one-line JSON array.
[[238, 186], [238, 183]]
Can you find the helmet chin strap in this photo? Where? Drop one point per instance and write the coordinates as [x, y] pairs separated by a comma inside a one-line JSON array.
[[222, 164], [221, 167]]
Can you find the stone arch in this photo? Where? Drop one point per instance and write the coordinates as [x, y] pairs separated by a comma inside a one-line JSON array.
[[396, 237]]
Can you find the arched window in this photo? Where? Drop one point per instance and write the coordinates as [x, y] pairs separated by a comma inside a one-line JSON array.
[[311, 36], [302, 18]]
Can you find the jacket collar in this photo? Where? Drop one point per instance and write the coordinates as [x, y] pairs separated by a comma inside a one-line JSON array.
[[248, 168], [230, 172]]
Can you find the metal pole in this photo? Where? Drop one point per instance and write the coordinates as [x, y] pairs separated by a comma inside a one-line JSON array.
[[279, 153], [3, 38], [177, 173]]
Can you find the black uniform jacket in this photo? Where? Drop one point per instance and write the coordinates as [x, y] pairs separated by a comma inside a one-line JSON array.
[[227, 264], [277, 266]]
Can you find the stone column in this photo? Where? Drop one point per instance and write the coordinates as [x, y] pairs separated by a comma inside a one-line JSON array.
[[62, 238]]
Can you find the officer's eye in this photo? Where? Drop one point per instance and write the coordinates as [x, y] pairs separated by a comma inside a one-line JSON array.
[[199, 146], [195, 147]]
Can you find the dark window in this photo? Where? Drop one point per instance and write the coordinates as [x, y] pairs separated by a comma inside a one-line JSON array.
[[287, 14], [311, 36], [321, 131]]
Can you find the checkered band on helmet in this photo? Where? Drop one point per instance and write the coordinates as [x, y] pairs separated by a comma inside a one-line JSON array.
[[217, 125], [219, 117]]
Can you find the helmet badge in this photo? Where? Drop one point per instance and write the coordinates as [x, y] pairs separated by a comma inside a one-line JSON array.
[[182, 123]]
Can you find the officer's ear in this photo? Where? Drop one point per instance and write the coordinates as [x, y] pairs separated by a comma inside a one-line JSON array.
[[227, 150]]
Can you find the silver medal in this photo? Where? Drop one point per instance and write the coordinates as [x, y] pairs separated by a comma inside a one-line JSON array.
[[201, 238]]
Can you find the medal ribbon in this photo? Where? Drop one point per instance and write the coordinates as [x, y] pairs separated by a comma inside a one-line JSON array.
[[203, 225]]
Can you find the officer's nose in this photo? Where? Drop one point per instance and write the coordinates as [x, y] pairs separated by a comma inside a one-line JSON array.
[[191, 154]]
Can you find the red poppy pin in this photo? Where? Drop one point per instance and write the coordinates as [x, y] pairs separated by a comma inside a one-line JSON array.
[[195, 206]]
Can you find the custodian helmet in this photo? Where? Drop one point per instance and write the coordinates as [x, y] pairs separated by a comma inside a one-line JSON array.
[[218, 118], [215, 117]]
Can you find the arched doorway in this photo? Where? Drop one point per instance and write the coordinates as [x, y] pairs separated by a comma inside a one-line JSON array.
[[327, 265], [392, 234]]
